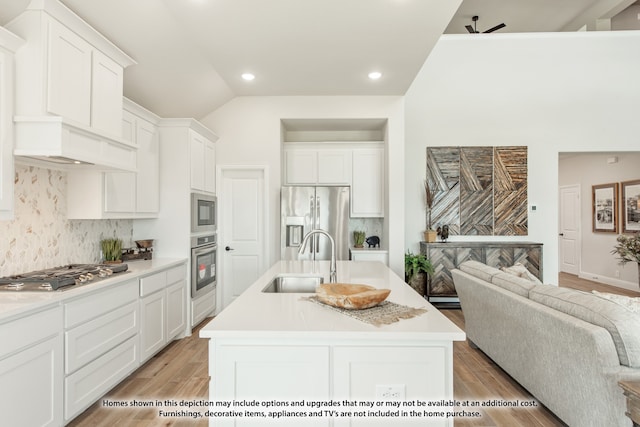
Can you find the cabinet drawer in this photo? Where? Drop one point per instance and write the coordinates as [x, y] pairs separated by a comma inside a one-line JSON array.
[[92, 339], [153, 283], [92, 381], [99, 303], [177, 274], [29, 330]]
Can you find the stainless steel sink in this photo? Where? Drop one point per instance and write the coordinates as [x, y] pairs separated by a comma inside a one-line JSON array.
[[290, 283]]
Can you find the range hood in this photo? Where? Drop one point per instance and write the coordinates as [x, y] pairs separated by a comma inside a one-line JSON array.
[[58, 143]]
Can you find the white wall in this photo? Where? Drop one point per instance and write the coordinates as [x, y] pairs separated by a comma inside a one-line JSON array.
[[250, 134], [561, 92], [597, 262]]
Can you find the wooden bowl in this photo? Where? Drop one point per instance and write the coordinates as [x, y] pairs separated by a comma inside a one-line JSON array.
[[350, 296], [144, 244]]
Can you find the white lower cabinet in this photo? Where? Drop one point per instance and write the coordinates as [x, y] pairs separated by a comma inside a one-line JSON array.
[[89, 383], [203, 306], [176, 309], [162, 309], [31, 370], [264, 372], [57, 362], [297, 369], [101, 344], [153, 329], [358, 373]]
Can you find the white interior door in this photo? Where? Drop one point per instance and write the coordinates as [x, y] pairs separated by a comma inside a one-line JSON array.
[[569, 229], [242, 232]]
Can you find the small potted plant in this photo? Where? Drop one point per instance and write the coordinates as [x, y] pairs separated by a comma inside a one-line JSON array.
[[416, 269], [628, 250], [358, 239], [111, 250], [430, 235]]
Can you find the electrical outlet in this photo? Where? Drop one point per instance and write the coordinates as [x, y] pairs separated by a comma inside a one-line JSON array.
[[617, 274], [390, 392]]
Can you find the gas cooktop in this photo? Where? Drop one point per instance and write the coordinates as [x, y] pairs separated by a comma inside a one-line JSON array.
[[60, 278]]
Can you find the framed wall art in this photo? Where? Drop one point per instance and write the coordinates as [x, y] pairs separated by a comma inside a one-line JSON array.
[[605, 208], [630, 192]]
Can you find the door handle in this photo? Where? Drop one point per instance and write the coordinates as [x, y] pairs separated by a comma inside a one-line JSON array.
[[228, 248], [561, 234]]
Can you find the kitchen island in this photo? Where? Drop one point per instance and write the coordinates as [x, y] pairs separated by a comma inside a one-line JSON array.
[[282, 352]]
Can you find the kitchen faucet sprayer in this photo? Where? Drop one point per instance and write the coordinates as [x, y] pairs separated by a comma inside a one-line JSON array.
[[332, 267]]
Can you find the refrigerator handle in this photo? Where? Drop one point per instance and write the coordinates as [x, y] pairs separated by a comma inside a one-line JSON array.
[[317, 225], [312, 207]]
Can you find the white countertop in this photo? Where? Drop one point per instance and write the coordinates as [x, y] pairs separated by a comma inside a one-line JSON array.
[[16, 304], [288, 315], [366, 249]]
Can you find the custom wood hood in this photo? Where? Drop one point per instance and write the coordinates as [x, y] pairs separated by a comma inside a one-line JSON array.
[[62, 144]]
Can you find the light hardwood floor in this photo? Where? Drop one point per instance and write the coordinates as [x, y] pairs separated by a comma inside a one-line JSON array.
[[180, 372]]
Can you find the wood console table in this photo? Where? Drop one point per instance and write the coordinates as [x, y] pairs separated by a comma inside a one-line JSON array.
[[441, 291], [632, 392]]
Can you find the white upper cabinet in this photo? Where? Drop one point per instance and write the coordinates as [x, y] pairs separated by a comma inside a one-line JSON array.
[[106, 93], [68, 78], [203, 163], [69, 87], [367, 187], [8, 44], [317, 166], [118, 194]]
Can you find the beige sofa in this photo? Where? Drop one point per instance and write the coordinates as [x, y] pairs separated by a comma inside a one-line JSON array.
[[568, 348]]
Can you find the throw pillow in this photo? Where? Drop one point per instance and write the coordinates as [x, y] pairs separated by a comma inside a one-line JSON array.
[[630, 303], [521, 271]]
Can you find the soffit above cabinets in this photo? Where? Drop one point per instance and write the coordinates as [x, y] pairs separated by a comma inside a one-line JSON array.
[[333, 130]]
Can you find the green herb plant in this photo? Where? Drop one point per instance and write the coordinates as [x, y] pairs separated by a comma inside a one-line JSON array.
[[111, 249]]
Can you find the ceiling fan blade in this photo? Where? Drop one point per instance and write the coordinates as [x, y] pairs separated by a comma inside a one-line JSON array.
[[470, 29], [492, 29]]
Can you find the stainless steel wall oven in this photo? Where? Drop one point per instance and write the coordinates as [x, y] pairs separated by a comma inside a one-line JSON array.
[[204, 251]]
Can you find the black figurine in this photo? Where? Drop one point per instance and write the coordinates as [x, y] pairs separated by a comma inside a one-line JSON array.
[[373, 241], [443, 232]]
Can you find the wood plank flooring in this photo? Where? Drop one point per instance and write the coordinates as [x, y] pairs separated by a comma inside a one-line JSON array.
[[180, 372]]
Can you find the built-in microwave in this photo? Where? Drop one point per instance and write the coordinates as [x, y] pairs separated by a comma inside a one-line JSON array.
[[203, 213]]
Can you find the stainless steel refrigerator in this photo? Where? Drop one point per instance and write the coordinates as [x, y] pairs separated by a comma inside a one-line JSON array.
[[303, 209]]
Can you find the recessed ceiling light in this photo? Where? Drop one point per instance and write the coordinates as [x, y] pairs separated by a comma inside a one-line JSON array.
[[248, 76], [375, 75]]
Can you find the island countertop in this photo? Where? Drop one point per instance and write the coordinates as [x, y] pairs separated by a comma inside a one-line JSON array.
[[288, 315]]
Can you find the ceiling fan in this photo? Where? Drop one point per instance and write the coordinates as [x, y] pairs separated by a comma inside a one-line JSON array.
[[473, 29]]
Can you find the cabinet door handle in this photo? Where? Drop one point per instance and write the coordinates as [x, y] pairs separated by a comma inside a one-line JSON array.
[[228, 248]]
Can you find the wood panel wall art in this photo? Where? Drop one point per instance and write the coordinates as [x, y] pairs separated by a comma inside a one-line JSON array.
[[479, 190]]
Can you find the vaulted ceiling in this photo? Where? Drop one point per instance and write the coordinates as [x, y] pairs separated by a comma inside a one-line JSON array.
[[191, 53]]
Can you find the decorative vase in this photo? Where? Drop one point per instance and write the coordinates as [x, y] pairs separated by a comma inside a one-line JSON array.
[[430, 236], [419, 282]]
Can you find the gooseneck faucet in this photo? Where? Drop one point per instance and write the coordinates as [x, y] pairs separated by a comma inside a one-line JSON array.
[[332, 266]]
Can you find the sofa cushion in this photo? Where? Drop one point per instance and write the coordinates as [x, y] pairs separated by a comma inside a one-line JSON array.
[[623, 325], [630, 303], [479, 270], [515, 284], [520, 270]]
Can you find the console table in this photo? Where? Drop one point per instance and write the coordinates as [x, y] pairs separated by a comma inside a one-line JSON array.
[[632, 392], [444, 257]]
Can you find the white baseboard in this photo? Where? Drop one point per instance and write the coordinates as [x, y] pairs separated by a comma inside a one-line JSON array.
[[609, 281]]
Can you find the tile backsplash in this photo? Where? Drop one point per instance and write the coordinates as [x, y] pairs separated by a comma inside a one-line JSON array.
[[41, 236]]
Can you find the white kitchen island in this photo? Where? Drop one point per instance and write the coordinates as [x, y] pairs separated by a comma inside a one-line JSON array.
[[280, 349]]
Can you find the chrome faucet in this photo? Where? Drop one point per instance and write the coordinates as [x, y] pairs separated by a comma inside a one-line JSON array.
[[332, 266]]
